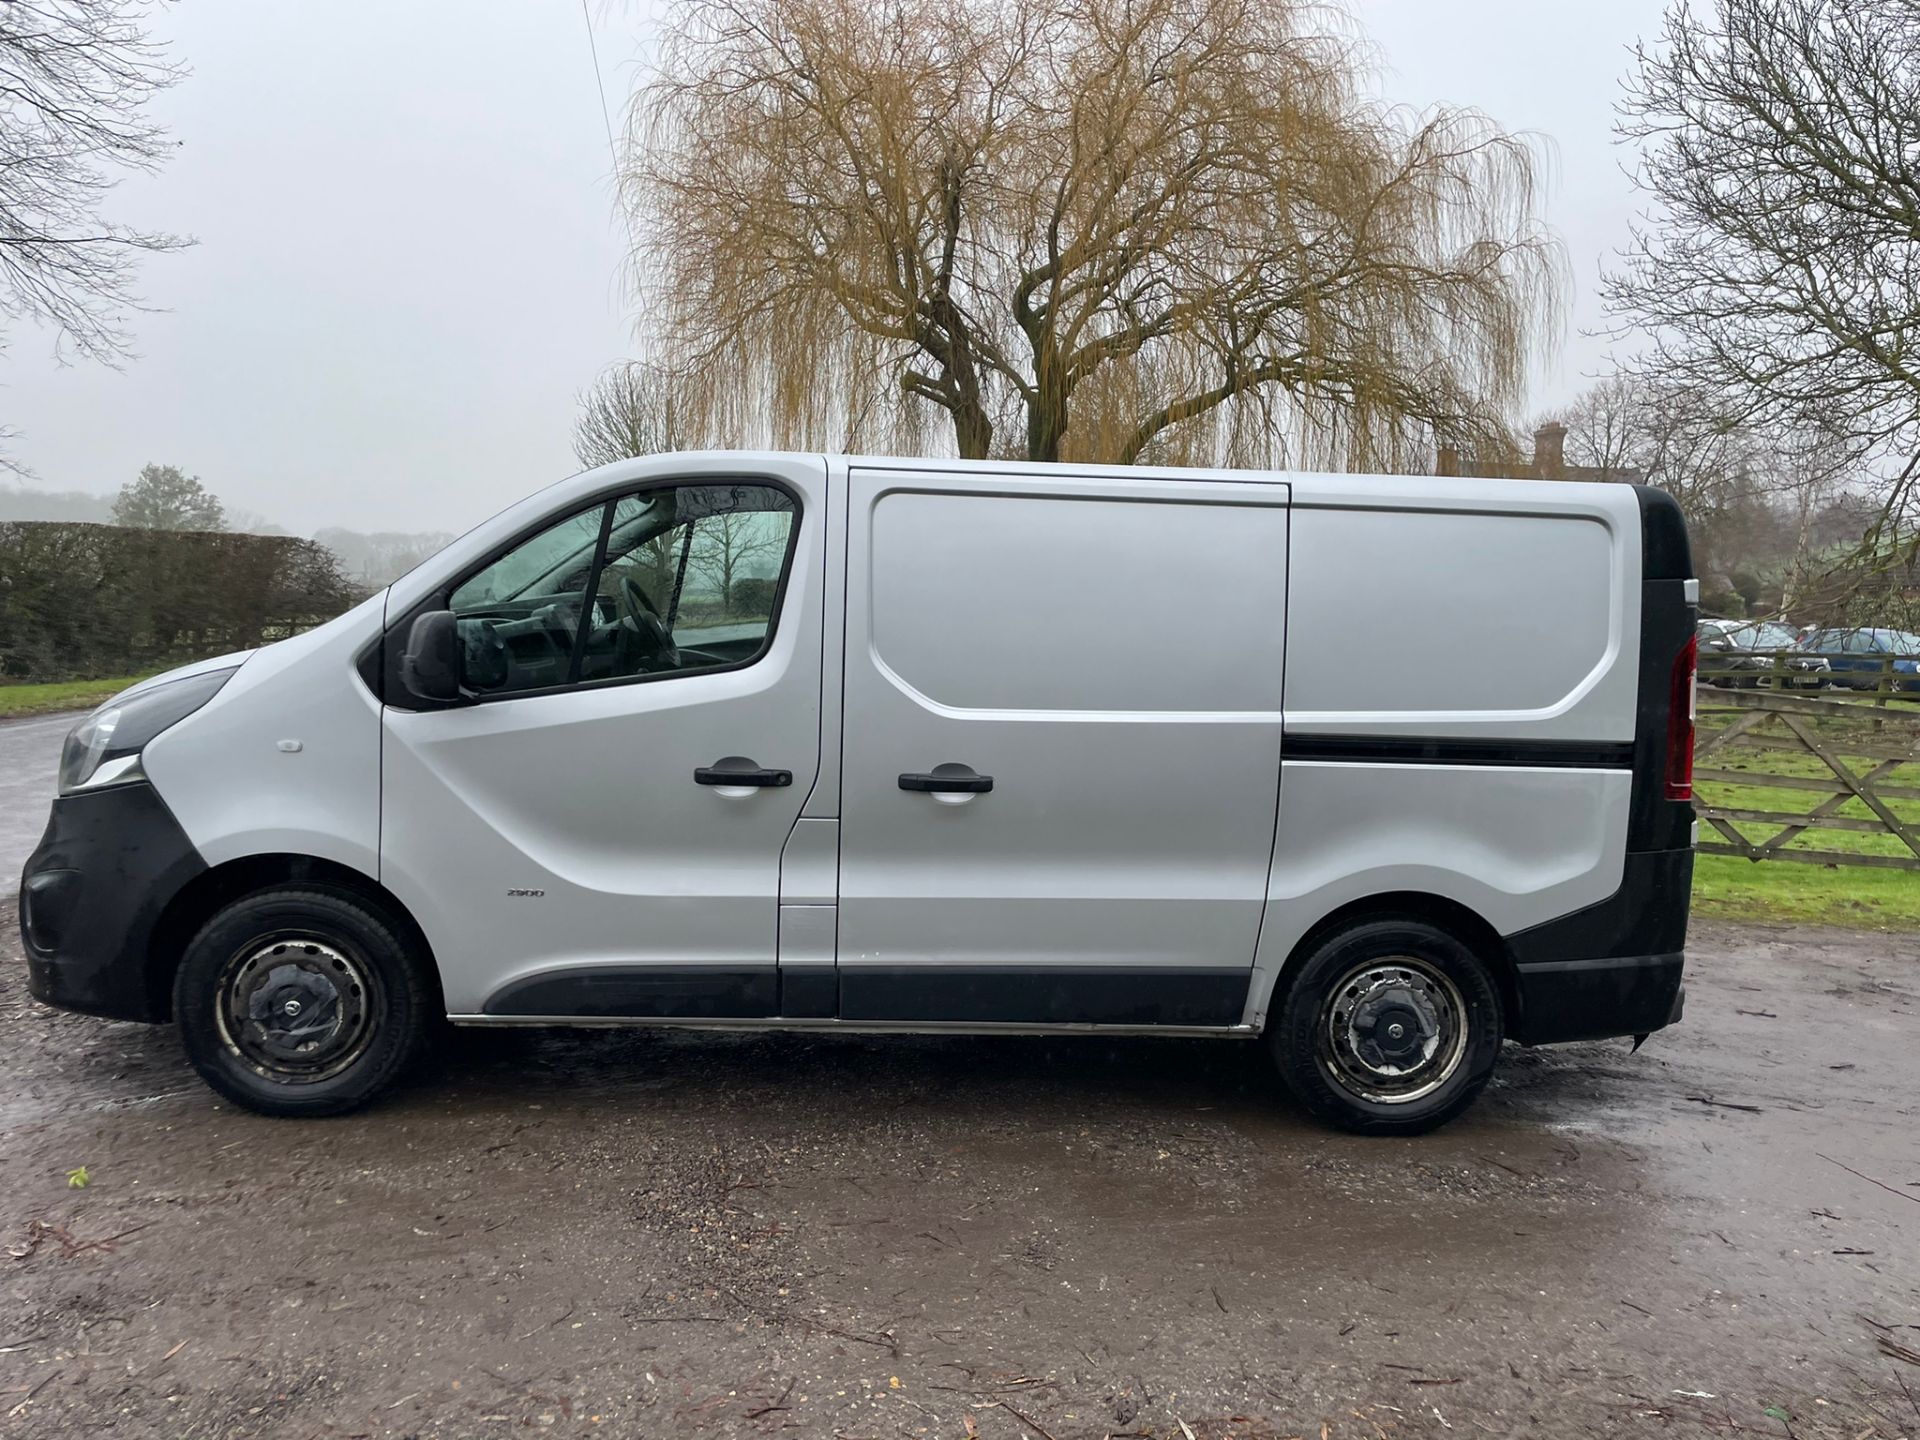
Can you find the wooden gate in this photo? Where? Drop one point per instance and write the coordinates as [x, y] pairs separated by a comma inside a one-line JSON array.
[[1855, 762]]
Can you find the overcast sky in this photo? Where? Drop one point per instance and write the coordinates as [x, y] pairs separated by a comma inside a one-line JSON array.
[[408, 263]]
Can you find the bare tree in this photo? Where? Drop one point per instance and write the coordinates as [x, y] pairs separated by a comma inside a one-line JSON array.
[[728, 547], [1742, 489], [165, 497], [1607, 429], [1669, 434], [75, 79], [1781, 270], [632, 409], [1078, 229]]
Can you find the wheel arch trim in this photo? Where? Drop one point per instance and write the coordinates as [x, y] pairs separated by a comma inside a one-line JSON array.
[[1459, 920], [207, 893]]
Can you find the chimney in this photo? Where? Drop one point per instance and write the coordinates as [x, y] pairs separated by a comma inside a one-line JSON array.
[[1448, 462], [1550, 451]]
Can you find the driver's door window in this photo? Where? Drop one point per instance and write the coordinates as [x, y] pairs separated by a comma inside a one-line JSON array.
[[667, 581], [519, 617], [693, 574]]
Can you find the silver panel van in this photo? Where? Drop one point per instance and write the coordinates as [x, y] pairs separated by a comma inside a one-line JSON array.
[[1377, 772]]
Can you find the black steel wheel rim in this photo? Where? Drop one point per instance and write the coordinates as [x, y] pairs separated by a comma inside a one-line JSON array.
[[297, 1009]]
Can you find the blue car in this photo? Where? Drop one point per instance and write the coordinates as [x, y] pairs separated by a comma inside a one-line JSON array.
[[1858, 657]]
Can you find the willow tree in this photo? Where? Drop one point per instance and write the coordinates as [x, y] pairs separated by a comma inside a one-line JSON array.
[[1103, 230]]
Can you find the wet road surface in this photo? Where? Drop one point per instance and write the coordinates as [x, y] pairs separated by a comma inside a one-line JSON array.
[[29, 759], [656, 1234]]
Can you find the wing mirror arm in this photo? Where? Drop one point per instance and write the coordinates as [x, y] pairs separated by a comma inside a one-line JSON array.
[[430, 665]]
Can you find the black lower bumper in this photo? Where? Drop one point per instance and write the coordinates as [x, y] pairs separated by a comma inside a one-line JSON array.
[[1611, 969], [1599, 999], [91, 895]]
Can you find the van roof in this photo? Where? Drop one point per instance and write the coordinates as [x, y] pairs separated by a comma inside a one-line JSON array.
[[1309, 486]]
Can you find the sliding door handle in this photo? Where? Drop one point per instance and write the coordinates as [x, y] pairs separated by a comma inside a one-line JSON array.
[[752, 779], [962, 784]]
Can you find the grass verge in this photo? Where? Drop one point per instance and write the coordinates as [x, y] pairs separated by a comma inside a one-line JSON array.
[[21, 700], [1728, 888]]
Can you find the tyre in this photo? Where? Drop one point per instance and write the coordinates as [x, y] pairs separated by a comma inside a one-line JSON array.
[[1389, 1028], [301, 1002]]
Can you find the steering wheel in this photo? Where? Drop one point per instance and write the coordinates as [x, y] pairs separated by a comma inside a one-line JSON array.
[[644, 633]]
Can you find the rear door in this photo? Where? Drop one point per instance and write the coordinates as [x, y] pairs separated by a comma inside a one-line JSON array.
[[1061, 746]]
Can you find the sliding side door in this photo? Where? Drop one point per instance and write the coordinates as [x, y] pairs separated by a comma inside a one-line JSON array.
[[1061, 746]]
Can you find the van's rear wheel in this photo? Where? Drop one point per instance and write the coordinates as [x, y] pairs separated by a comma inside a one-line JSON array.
[[1389, 1028], [300, 1002]]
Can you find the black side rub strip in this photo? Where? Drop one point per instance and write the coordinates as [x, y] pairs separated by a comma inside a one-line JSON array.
[[1013, 994], [1428, 750], [689, 992], [907, 993]]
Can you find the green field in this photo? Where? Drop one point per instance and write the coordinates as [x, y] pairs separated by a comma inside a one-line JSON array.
[[1732, 888], [19, 700]]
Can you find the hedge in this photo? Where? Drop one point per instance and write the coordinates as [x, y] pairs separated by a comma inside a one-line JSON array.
[[79, 601]]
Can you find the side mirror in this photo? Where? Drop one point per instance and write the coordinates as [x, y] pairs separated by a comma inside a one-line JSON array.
[[430, 665]]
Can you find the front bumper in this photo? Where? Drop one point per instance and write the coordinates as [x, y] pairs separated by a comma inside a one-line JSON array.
[[93, 893]]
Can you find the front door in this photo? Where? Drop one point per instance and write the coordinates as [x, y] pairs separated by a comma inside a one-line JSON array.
[[600, 834], [1061, 758]]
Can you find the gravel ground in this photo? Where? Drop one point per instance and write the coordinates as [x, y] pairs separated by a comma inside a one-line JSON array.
[[651, 1234]]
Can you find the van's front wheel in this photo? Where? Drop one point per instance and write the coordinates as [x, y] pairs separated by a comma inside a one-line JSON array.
[[1389, 1028], [300, 1002]]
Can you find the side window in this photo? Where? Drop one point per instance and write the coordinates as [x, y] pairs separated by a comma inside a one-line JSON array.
[[519, 617], [688, 580]]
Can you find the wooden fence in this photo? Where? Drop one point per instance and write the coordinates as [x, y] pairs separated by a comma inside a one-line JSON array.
[[1784, 771], [1777, 670]]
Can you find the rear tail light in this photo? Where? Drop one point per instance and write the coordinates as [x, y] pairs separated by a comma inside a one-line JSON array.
[[1681, 715]]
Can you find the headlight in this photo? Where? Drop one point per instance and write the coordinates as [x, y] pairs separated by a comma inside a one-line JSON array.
[[104, 749]]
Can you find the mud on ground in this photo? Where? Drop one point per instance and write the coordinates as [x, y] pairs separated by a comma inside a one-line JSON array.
[[659, 1234]]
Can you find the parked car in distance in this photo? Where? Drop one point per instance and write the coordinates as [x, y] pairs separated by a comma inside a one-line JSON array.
[[1743, 653], [1860, 657]]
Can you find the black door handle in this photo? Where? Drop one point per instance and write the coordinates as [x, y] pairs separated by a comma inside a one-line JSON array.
[[947, 784], [765, 779]]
